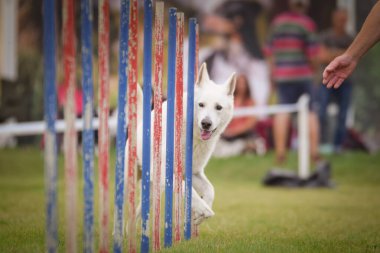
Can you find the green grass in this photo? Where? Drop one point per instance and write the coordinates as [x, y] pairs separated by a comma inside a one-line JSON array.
[[249, 217]]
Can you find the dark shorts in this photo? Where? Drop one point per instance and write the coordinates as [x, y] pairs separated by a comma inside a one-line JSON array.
[[290, 92]]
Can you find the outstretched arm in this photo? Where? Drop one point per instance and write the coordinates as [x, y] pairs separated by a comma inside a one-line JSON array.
[[342, 66]]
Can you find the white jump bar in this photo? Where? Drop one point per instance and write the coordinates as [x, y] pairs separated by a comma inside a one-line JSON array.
[[38, 127], [265, 110]]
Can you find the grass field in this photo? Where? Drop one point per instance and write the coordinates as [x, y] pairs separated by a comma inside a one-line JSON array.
[[249, 217]]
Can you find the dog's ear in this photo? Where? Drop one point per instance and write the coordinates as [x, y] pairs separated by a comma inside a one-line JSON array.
[[231, 84], [203, 75]]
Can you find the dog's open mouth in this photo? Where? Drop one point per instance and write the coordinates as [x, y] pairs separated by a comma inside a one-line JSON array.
[[206, 134]]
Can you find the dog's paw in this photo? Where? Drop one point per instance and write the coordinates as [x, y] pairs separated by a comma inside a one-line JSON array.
[[201, 212]]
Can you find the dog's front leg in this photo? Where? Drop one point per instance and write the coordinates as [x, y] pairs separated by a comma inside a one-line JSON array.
[[200, 209], [204, 188]]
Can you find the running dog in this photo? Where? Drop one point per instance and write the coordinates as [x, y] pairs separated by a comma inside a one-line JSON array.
[[213, 110]]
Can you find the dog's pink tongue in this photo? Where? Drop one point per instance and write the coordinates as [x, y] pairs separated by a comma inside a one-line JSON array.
[[205, 135]]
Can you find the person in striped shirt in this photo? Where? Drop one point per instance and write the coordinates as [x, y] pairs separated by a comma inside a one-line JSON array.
[[291, 50]]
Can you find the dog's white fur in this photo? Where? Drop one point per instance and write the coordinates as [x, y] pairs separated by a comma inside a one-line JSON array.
[[213, 103]]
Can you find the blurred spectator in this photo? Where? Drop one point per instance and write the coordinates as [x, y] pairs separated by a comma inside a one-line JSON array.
[[334, 42], [239, 136], [237, 48], [241, 127], [291, 51]]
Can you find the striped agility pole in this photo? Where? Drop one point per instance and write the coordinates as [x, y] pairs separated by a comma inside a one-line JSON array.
[[103, 134], [195, 229], [50, 114], [147, 89], [189, 126], [170, 128], [157, 139], [178, 150], [132, 126], [121, 128], [196, 50], [70, 137], [88, 131]]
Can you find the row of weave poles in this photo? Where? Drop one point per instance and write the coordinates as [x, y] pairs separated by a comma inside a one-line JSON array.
[[178, 161]]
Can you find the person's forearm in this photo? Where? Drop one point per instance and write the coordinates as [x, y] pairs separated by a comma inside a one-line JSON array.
[[368, 35], [334, 53]]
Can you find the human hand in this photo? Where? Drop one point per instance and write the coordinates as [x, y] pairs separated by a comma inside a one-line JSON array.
[[338, 70]]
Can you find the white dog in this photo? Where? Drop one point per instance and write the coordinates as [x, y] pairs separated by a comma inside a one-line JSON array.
[[213, 109]]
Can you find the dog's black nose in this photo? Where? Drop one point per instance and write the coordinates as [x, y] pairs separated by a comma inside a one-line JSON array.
[[206, 124]]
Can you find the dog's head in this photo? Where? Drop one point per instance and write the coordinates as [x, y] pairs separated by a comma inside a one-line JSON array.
[[213, 105]]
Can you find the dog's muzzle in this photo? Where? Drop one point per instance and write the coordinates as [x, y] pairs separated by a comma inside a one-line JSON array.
[[206, 131]]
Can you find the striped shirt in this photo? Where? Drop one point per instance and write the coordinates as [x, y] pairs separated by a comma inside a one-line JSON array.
[[292, 43]]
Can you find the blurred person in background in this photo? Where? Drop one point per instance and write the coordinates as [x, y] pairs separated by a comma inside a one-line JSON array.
[[333, 43], [239, 136], [291, 52], [237, 46]]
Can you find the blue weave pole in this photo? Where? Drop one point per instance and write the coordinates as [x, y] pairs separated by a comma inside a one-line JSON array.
[[121, 127], [170, 128], [147, 89], [189, 125], [50, 114], [88, 131]]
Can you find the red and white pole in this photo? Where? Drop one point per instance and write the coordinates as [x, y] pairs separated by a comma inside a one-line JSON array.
[[132, 127], [195, 228], [179, 140], [70, 137], [103, 134], [157, 139]]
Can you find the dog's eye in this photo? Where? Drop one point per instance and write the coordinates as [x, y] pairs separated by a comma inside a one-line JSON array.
[[201, 105], [218, 107]]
